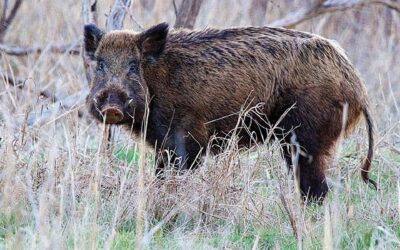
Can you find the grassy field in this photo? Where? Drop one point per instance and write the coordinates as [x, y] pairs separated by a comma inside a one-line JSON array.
[[59, 189]]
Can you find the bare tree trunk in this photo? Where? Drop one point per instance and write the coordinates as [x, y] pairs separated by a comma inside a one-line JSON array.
[[257, 12], [187, 13]]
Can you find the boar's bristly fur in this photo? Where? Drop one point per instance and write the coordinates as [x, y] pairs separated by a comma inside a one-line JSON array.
[[195, 84]]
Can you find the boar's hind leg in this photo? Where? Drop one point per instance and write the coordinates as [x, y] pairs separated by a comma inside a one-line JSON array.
[[309, 151], [316, 126], [311, 164]]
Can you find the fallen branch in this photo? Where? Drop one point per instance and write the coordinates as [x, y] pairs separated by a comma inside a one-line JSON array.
[[73, 49], [321, 7]]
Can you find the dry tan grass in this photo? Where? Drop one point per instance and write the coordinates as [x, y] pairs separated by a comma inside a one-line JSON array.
[[58, 189]]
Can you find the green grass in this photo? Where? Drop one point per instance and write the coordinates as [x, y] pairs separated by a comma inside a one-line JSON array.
[[267, 238], [124, 240], [126, 154]]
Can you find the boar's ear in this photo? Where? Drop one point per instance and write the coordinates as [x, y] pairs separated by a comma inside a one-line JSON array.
[[152, 41], [92, 37]]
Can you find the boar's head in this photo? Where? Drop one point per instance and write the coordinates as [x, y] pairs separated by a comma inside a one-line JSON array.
[[118, 91]]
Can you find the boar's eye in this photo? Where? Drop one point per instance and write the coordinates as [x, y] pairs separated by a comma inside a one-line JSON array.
[[133, 67], [101, 65]]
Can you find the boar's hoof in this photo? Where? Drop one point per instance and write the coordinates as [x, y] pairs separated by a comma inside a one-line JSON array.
[[112, 115]]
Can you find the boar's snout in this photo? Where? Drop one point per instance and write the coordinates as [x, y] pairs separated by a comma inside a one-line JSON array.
[[112, 114], [111, 106]]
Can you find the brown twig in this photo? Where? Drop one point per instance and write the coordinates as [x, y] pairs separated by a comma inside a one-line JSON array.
[[73, 49], [187, 14]]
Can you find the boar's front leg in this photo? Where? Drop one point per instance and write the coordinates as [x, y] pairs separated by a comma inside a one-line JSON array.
[[180, 151]]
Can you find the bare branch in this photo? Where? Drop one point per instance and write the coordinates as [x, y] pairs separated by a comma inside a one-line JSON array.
[[73, 49], [117, 14], [321, 7], [187, 14], [299, 16], [133, 19], [6, 21]]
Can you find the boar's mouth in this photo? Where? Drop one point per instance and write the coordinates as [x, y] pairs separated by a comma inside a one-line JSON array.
[[112, 114], [115, 112]]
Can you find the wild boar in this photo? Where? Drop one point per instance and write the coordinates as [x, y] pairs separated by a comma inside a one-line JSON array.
[[194, 84]]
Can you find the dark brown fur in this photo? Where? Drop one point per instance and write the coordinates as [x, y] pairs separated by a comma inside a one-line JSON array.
[[196, 82]]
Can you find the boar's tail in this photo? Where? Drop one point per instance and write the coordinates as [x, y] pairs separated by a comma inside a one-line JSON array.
[[367, 161]]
